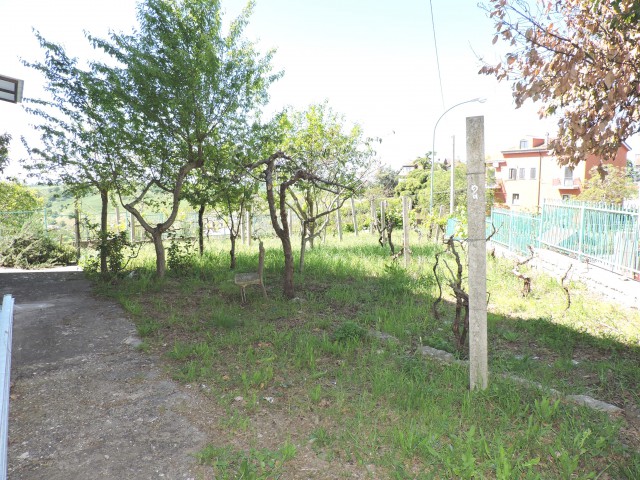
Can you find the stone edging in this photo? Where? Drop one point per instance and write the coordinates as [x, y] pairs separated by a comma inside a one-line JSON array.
[[585, 400]]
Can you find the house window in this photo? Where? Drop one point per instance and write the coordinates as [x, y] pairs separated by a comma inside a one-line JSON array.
[[523, 144], [568, 177], [512, 174], [521, 173], [532, 173], [566, 197], [515, 199]]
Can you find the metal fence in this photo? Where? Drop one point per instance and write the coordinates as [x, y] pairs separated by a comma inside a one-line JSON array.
[[513, 230], [6, 328], [603, 235]]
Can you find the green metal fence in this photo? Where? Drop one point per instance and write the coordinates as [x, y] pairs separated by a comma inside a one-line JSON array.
[[605, 235], [513, 230]]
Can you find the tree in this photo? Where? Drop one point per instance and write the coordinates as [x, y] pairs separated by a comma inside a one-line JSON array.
[[5, 139], [320, 144], [184, 86], [580, 59], [76, 147], [279, 180], [14, 198], [386, 178], [615, 187], [18, 197], [416, 185]]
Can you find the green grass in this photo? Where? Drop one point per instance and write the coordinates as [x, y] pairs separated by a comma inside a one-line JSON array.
[[344, 399]]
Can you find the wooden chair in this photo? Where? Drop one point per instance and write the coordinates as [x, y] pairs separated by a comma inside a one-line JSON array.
[[253, 278]]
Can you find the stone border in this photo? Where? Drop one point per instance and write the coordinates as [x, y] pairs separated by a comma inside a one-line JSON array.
[[584, 400]]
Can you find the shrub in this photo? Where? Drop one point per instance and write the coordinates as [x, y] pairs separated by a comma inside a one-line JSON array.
[[31, 247]]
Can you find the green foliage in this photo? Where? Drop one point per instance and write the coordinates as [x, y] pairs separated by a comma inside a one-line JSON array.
[[417, 185], [350, 332], [180, 257], [386, 180], [18, 197], [614, 188], [378, 401], [118, 250], [255, 464], [31, 247]]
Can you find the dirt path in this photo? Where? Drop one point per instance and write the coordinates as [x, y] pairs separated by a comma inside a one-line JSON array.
[[85, 403]]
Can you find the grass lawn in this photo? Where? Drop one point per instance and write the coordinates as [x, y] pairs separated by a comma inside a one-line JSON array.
[[300, 389]]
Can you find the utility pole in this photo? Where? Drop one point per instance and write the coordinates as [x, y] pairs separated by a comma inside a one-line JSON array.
[[452, 191]]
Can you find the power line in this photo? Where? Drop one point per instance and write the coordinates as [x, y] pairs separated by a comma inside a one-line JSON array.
[[435, 43]]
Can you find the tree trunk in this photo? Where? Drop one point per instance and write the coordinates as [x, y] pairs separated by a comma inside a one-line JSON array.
[[303, 244], [161, 264], [201, 228], [104, 200], [232, 252], [287, 285], [77, 228]]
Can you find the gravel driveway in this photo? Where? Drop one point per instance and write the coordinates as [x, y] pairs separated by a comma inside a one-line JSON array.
[[85, 403]]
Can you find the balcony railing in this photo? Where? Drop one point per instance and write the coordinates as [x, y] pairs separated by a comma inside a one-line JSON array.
[[567, 183]]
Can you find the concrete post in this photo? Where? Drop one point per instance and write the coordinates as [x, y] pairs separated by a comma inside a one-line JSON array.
[[405, 228], [243, 238], [247, 221], [452, 183], [372, 227], [355, 218], [476, 211]]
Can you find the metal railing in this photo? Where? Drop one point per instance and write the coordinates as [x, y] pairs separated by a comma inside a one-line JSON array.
[[604, 235], [6, 328]]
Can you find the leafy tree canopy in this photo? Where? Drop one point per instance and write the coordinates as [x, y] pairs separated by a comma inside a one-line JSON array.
[[579, 59], [615, 187], [18, 197]]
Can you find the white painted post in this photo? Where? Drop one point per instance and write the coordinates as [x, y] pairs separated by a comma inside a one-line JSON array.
[[405, 228], [476, 208], [6, 332]]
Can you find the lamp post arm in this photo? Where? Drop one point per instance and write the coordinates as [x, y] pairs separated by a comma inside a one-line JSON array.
[[433, 145]]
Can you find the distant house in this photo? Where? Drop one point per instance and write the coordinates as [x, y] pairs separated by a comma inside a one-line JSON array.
[[527, 175]]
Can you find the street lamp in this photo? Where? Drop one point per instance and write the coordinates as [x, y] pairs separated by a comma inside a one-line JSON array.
[[433, 144], [11, 89]]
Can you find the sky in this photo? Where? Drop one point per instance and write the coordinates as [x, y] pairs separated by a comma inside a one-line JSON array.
[[374, 61]]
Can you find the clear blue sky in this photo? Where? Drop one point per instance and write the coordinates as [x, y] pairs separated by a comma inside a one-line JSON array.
[[373, 60]]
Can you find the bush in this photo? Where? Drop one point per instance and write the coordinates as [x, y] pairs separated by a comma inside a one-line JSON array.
[[31, 247], [180, 257], [118, 250]]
